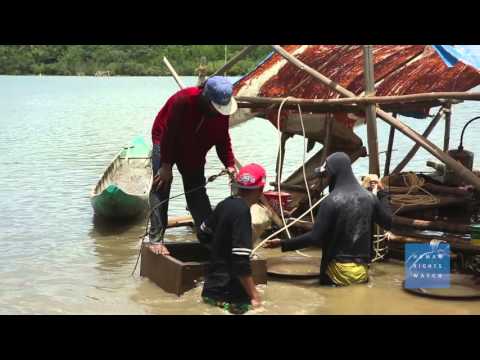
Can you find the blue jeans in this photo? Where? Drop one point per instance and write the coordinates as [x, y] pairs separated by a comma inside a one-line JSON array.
[[198, 202]]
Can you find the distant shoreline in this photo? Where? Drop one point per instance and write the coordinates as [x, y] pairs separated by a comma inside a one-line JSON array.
[[124, 60]]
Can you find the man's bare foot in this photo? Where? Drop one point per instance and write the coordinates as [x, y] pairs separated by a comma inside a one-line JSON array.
[[159, 249]]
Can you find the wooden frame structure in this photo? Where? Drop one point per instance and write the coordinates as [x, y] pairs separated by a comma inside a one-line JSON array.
[[369, 105]]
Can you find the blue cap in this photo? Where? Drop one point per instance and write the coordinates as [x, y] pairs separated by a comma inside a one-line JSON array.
[[219, 90]]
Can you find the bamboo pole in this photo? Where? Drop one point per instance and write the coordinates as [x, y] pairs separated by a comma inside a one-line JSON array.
[[328, 139], [281, 156], [244, 52], [415, 147], [448, 117], [371, 115], [365, 100], [173, 72], [462, 172], [388, 159], [180, 221]]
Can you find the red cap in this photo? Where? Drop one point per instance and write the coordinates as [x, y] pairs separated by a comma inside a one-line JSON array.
[[252, 176]]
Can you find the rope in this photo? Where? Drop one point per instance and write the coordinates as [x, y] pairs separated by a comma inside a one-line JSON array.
[[279, 167], [303, 164], [287, 226], [412, 182]]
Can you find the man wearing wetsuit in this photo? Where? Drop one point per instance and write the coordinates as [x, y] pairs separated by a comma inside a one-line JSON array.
[[343, 227], [228, 235]]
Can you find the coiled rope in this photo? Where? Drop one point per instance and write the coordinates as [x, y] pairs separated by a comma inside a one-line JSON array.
[[412, 182]]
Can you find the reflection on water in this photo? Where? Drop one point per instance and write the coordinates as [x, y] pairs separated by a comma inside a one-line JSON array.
[[57, 135]]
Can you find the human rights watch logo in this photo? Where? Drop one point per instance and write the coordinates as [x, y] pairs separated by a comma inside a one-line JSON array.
[[427, 265]]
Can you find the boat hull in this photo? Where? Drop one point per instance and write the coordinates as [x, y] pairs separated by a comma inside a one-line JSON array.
[[123, 190], [114, 203]]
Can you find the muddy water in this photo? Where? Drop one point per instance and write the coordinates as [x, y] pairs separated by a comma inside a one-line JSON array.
[[57, 134]]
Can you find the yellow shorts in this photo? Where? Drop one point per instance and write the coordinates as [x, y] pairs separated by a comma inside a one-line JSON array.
[[344, 274]]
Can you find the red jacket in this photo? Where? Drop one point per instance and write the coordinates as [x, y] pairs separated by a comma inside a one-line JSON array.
[[175, 129]]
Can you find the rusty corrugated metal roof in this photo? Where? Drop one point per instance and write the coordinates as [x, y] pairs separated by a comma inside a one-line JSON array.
[[399, 70]]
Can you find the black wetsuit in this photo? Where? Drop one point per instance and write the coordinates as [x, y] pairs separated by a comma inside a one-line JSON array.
[[228, 235], [344, 222]]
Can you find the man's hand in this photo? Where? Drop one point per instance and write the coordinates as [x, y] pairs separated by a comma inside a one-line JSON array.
[[376, 186], [232, 171], [272, 244], [163, 178]]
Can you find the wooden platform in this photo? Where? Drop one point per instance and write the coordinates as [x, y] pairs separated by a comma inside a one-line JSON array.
[[179, 272]]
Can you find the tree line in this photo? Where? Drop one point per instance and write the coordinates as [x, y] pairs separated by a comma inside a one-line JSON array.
[[135, 60]]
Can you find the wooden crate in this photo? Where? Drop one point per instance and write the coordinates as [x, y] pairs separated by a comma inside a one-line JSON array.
[[179, 272]]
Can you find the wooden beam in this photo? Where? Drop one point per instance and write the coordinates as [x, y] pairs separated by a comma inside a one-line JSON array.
[[305, 108], [371, 114], [365, 100], [446, 139], [415, 147], [431, 225], [173, 72], [388, 159], [281, 155], [244, 52], [462, 172], [328, 139]]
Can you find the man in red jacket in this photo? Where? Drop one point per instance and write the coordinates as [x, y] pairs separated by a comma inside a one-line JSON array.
[[191, 122]]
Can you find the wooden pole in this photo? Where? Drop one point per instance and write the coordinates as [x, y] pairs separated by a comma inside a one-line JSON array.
[[448, 117], [244, 52], [371, 115], [388, 159], [415, 147], [328, 139], [465, 174], [431, 225], [174, 73], [364, 100], [281, 156]]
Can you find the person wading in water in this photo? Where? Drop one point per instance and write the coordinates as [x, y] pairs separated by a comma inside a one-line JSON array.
[[227, 233], [344, 225]]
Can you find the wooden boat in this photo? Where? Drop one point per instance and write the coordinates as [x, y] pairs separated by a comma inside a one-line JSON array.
[[122, 191]]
